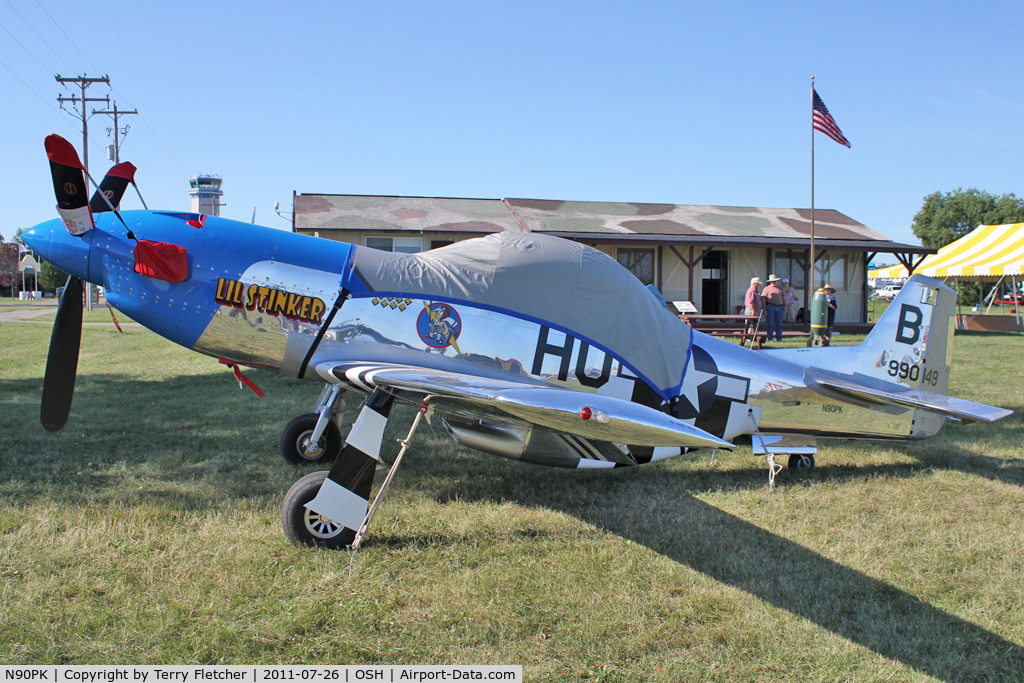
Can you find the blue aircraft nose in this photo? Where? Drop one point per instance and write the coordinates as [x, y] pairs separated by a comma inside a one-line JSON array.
[[53, 243]]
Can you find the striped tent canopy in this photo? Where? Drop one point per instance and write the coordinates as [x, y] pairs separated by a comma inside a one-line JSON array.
[[897, 272], [989, 252]]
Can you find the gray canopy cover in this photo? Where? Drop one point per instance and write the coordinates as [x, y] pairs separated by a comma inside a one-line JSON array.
[[562, 284]]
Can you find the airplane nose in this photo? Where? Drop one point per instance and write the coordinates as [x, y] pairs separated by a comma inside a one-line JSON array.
[[55, 244], [38, 239]]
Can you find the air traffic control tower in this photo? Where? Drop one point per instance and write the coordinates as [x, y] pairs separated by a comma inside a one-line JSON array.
[[204, 188]]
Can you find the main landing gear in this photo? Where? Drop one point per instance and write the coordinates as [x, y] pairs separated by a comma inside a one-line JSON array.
[[314, 437], [770, 445], [332, 509]]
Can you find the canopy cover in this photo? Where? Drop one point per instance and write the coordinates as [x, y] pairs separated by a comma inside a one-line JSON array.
[[564, 285], [988, 252]]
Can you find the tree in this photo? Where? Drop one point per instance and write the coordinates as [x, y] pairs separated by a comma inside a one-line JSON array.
[[946, 217], [51, 277], [8, 263]]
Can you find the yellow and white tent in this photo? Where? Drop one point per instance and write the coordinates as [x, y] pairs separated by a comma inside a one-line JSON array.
[[897, 272], [989, 252]]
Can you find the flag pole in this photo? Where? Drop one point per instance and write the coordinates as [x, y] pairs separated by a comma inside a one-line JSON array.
[[810, 291]]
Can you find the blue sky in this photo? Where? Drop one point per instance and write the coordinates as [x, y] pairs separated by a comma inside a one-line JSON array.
[[668, 102]]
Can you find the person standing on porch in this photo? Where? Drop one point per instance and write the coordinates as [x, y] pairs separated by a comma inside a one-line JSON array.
[[752, 300], [830, 298], [773, 303], [791, 303]]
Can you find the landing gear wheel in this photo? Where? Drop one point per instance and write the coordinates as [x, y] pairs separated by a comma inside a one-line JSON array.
[[302, 526], [801, 461], [299, 430]]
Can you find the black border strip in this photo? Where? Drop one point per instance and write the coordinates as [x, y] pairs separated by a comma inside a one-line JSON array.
[[343, 295]]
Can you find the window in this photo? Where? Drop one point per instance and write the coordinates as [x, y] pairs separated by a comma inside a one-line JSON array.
[[831, 268], [787, 266], [640, 262], [404, 245]]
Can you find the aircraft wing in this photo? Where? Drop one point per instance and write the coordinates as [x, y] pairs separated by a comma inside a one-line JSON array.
[[591, 416], [908, 398]]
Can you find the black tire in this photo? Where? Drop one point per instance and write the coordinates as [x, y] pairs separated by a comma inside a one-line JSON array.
[[298, 430], [801, 461], [305, 527]]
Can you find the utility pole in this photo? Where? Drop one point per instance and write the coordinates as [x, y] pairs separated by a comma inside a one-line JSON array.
[[83, 82], [116, 113]]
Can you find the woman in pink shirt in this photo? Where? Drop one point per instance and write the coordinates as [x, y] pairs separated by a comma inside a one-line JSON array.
[[752, 300]]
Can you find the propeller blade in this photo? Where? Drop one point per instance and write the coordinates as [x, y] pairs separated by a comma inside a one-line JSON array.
[[66, 169], [113, 186], [62, 359], [69, 185]]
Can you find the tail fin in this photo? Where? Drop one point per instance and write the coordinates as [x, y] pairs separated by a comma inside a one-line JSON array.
[[912, 343]]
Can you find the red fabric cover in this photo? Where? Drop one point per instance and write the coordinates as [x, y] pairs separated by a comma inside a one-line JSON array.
[[125, 169], [61, 151], [161, 260]]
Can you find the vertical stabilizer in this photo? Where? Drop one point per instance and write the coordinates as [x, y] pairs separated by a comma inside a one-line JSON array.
[[912, 343]]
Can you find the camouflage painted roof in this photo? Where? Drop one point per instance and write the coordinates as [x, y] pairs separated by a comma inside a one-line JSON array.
[[482, 216], [407, 214], [687, 220]]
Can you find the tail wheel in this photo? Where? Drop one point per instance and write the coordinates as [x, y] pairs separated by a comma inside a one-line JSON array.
[[294, 437], [801, 461], [302, 526]]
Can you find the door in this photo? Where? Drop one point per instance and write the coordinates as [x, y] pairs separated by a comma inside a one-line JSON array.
[[715, 283]]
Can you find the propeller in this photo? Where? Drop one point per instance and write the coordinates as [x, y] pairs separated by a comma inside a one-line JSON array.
[[76, 212], [66, 338]]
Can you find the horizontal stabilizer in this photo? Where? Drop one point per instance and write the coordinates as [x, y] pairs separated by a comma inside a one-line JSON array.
[[592, 416], [908, 398]]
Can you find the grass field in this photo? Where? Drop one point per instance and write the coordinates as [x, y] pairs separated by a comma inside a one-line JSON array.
[[148, 532]]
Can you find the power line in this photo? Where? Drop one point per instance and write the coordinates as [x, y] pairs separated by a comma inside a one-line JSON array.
[[31, 54], [66, 35], [41, 98], [38, 36]]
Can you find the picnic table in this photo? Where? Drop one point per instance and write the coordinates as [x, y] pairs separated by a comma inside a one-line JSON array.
[[739, 325]]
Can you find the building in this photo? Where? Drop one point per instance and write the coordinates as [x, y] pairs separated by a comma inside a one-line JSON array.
[[204, 188], [702, 254]]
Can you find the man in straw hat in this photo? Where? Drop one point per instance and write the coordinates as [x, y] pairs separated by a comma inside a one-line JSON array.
[[773, 304]]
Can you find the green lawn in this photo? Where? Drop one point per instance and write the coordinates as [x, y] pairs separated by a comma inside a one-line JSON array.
[[148, 532], [99, 314]]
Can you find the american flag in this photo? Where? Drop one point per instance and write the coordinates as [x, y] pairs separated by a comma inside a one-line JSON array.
[[824, 122]]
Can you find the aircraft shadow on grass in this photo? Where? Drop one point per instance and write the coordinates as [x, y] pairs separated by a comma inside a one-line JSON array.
[[862, 609], [859, 608]]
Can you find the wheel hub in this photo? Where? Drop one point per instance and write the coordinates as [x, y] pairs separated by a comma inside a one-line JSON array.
[[306, 448], [320, 526]]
